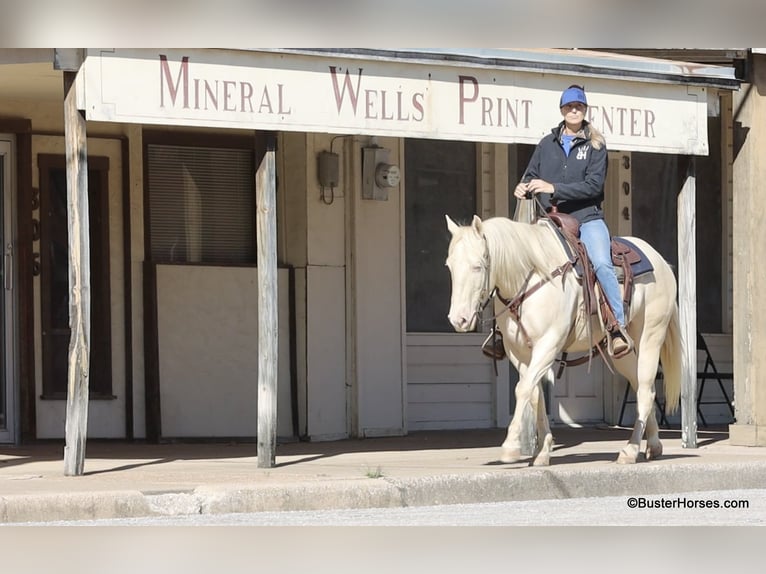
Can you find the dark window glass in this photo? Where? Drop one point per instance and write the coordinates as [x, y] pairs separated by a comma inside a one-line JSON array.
[[54, 277], [440, 179]]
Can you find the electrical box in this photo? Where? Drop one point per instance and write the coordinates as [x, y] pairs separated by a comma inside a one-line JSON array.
[[377, 174], [328, 169]]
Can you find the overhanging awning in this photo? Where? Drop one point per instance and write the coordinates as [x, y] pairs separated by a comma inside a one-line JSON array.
[[640, 104]]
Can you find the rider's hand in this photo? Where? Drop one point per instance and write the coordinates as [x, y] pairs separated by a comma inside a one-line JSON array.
[[521, 190], [540, 186]]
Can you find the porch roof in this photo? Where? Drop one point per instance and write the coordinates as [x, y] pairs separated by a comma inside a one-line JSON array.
[[554, 60]]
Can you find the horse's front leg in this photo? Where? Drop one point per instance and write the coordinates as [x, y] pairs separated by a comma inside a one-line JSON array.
[[542, 456], [529, 379]]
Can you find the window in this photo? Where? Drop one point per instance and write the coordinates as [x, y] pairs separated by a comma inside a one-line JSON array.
[[440, 179], [201, 204]]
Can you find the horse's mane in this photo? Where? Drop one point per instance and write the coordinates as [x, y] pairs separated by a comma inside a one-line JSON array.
[[516, 248]]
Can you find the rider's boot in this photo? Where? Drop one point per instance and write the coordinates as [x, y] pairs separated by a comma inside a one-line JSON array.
[[622, 343]]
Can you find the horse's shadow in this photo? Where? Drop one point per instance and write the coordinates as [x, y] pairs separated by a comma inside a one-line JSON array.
[[583, 457], [567, 439]]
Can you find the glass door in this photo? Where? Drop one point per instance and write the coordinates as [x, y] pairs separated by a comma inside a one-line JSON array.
[[7, 277]]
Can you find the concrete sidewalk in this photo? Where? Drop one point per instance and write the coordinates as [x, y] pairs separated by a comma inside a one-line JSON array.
[[424, 468]]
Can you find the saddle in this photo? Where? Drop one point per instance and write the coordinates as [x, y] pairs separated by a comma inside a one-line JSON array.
[[624, 256]]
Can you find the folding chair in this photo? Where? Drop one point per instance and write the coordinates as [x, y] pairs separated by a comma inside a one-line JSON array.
[[711, 372]]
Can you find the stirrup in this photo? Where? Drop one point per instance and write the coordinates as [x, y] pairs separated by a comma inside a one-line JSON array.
[[624, 344], [493, 346]]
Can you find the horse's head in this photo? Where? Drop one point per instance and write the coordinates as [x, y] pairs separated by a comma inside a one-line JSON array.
[[468, 263]]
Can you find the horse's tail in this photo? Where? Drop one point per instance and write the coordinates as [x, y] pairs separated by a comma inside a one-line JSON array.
[[671, 355]]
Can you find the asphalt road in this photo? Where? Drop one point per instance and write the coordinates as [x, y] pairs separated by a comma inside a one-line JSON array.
[[687, 509]]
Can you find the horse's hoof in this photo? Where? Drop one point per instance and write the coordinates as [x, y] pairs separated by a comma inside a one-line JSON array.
[[653, 453], [542, 460], [509, 455], [625, 458]]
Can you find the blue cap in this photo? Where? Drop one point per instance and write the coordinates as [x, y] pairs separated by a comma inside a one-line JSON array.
[[573, 94]]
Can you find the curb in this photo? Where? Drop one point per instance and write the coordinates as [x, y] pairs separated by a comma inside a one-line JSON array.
[[73, 506], [517, 484]]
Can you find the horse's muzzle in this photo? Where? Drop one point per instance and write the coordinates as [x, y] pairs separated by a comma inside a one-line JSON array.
[[462, 323]]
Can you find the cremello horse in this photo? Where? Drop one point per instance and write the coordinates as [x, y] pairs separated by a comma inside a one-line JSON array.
[[509, 256]]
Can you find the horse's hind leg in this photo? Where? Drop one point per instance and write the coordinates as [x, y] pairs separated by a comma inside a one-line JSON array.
[[542, 456], [653, 444], [645, 371]]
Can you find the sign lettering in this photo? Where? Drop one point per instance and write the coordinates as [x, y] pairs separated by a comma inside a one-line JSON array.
[[217, 94], [339, 94]]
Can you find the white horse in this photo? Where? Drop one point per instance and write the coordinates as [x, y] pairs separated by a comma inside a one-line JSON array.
[[510, 257]]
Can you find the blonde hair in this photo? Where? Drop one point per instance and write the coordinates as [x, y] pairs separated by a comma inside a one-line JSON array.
[[597, 139]]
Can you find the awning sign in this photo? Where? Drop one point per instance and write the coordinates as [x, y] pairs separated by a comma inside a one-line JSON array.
[[332, 94]]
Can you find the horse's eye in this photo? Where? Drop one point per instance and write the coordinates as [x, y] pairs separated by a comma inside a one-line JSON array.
[[477, 268]]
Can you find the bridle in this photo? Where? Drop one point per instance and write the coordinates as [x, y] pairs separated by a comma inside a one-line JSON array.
[[485, 295]]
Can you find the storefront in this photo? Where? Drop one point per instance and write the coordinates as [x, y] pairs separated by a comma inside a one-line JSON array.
[[373, 147]]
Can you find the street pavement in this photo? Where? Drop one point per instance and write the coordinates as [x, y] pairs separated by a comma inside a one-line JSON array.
[[123, 480]]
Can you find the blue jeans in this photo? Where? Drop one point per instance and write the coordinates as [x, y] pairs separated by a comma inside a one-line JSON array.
[[595, 236]]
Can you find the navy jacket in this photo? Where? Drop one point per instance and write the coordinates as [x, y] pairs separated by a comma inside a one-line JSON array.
[[578, 180]]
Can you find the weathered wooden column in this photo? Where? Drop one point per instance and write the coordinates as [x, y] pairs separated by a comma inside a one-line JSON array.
[[79, 279], [526, 212], [266, 234], [687, 305]]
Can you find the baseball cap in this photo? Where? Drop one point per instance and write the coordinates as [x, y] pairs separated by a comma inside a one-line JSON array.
[[573, 94]]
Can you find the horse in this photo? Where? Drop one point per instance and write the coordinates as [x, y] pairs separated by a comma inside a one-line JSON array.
[[503, 257]]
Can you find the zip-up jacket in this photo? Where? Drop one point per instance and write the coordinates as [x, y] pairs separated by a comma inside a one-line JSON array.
[[578, 179]]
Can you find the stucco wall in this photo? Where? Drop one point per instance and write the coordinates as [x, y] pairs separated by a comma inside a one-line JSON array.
[[312, 240], [376, 251], [208, 351]]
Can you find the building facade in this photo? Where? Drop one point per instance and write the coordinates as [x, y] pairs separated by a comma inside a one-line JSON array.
[[372, 149]]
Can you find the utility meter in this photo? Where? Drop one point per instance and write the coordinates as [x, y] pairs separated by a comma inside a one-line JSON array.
[[387, 175]]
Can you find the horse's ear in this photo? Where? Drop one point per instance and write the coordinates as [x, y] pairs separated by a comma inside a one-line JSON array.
[[451, 225], [476, 224]]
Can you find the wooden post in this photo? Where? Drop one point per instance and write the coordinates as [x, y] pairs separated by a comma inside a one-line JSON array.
[[687, 305], [266, 233], [526, 212], [79, 281]]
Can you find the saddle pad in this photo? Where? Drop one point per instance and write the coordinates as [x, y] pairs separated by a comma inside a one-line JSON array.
[[643, 265], [639, 268]]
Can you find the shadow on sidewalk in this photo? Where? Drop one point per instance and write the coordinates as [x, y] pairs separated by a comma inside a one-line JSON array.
[[142, 454]]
